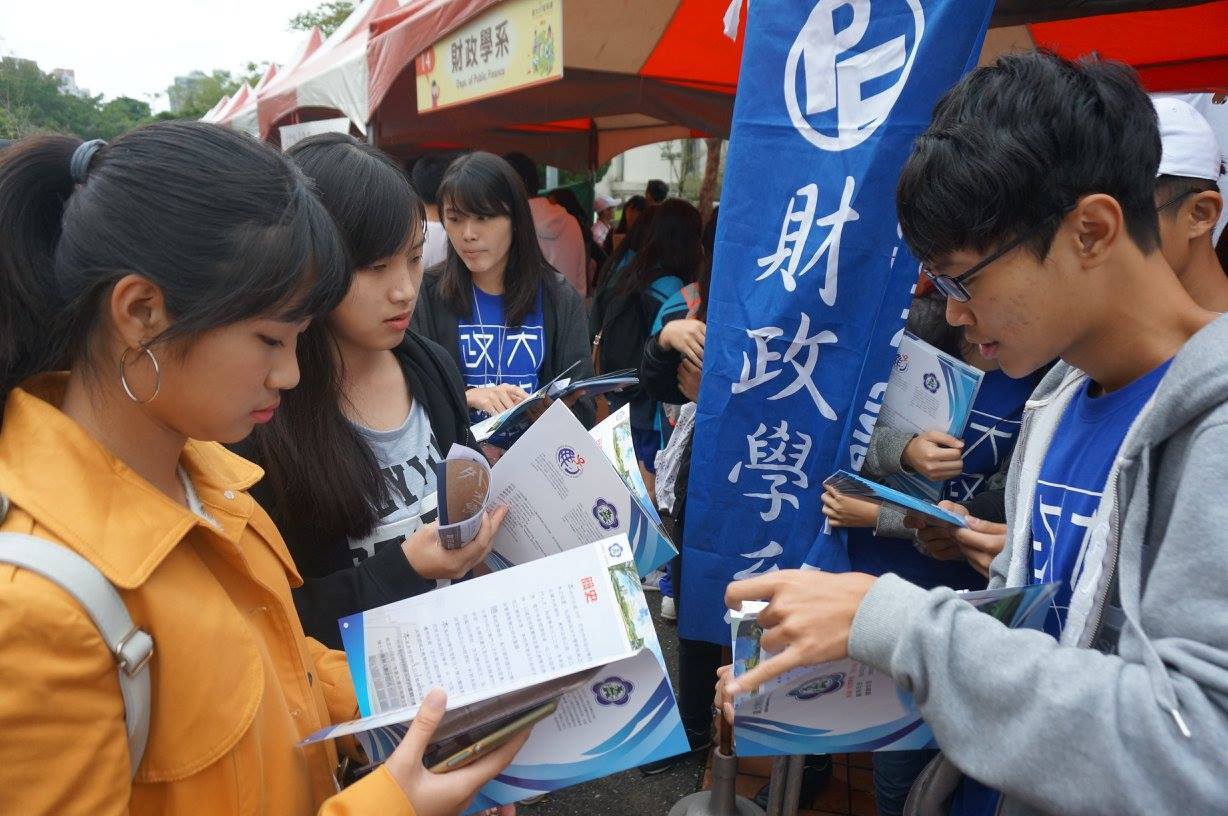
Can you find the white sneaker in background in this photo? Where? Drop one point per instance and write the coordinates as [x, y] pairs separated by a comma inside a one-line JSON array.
[[669, 610]]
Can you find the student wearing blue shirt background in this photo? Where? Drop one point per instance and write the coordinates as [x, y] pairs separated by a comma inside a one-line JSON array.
[[878, 540], [510, 320]]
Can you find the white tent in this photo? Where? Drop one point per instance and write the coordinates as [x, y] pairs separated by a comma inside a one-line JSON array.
[[334, 77]]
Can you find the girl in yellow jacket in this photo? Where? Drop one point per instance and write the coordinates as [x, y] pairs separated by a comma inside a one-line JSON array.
[[170, 273]]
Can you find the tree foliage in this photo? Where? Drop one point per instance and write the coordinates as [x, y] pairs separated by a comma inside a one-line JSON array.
[[329, 16], [33, 102]]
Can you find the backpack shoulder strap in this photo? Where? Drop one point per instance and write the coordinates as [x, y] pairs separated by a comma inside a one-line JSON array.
[[132, 647]]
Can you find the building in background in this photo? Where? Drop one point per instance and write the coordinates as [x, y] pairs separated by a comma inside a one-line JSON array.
[[67, 78], [679, 162]]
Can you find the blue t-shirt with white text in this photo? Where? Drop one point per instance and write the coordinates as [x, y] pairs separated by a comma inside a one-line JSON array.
[[1072, 481], [1068, 492], [493, 353], [993, 426]]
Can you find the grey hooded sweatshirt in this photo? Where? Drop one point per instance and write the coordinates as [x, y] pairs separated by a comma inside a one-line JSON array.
[[1128, 714]]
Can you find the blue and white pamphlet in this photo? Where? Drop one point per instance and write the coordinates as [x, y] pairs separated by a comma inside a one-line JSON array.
[[929, 390], [563, 491], [579, 613], [503, 429], [851, 484], [846, 706]]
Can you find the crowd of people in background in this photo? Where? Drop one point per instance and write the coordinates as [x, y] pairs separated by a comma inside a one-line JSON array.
[[341, 320]]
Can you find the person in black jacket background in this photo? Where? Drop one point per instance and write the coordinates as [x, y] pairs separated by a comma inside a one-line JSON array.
[[349, 458], [509, 319]]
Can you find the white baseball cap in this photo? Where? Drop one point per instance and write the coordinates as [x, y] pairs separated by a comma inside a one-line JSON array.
[[1189, 144], [604, 202]]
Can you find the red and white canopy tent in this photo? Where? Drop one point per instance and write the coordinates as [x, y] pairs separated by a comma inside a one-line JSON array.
[[243, 117], [331, 79], [642, 71]]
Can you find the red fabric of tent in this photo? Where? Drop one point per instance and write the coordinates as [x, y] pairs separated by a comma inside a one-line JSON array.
[[1180, 49]]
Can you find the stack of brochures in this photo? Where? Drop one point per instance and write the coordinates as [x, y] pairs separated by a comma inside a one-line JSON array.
[[846, 706], [572, 628]]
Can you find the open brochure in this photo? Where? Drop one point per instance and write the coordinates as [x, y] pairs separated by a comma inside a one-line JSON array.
[[574, 626], [850, 484], [846, 706], [613, 438], [503, 429], [929, 390], [562, 491]]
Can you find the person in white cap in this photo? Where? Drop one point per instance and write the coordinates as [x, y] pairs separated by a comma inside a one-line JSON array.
[[1189, 201], [603, 206]]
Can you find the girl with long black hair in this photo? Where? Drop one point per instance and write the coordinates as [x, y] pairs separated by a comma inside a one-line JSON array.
[[152, 292], [509, 319], [350, 459]]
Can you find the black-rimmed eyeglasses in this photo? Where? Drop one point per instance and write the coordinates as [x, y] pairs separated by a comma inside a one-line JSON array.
[[956, 287]]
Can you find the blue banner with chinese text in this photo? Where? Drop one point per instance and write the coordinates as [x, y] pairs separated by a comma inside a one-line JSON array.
[[811, 280]]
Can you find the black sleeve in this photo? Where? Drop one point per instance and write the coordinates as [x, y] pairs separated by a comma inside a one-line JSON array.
[[571, 344], [989, 505], [382, 579], [659, 373], [456, 387]]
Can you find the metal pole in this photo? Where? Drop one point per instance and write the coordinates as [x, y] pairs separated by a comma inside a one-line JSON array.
[[785, 786]]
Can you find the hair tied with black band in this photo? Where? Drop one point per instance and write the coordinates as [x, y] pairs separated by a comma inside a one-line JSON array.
[[79, 165]]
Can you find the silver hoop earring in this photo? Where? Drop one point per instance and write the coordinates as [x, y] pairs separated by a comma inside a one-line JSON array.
[[123, 376]]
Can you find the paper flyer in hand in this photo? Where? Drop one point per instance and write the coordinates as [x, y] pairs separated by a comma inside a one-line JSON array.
[[846, 706], [596, 385], [929, 390], [851, 484], [576, 622], [503, 429], [561, 492], [464, 486]]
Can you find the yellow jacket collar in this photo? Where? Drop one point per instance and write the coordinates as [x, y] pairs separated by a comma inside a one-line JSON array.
[[54, 470]]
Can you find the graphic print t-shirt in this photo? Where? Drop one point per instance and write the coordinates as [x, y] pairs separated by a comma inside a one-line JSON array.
[[1072, 482], [992, 429], [493, 353], [406, 456]]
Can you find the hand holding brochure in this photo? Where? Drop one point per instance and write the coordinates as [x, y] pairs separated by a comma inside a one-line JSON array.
[[464, 486], [929, 390], [845, 706], [850, 484], [575, 624]]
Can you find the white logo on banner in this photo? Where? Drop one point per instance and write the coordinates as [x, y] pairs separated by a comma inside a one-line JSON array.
[[833, 82]]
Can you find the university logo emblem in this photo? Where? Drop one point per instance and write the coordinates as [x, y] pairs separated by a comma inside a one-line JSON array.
[[606, 514], [613, 691], [818, 687], [930, 381], [571, 462], [847, 67]]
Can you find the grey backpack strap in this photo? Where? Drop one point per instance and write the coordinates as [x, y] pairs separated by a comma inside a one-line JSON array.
[[132, 647]]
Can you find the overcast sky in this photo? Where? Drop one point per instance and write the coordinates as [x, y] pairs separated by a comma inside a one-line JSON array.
[[137, 47]]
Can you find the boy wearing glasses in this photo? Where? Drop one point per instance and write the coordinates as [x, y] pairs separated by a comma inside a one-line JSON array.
[[1030, 199]]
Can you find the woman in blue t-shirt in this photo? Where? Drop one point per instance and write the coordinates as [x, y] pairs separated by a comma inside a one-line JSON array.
[[510, 320]]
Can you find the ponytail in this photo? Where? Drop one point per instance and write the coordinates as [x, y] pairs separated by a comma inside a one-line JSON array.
[[35, 183]]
